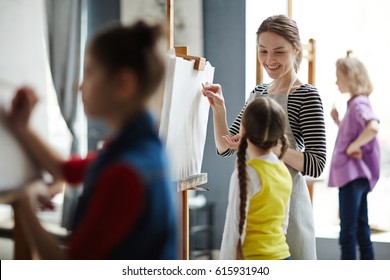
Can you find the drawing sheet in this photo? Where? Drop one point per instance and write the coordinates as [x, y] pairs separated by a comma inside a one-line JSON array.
[[24, 61], [184, 116]]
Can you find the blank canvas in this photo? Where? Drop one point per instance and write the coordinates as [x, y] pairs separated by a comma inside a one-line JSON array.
[[24, 61], [185, 115]]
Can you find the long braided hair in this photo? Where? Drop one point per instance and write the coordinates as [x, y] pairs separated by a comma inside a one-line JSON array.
[[263, 123]]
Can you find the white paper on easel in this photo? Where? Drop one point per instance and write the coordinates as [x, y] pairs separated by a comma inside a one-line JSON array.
[[184, 116], [16, 169], [24, 62]]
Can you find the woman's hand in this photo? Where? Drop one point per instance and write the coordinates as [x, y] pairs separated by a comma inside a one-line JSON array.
[[213, 92], [232, 142], [22, 105]]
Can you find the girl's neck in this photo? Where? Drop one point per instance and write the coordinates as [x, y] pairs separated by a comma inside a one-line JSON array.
[[254, 151], [354, 95], [120, 119]]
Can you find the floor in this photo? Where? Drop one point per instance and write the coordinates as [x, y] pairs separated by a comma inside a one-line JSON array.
[[325, 206], [326, 212]]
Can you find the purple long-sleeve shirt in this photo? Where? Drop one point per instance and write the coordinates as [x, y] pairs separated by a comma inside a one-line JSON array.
[[344, 169]]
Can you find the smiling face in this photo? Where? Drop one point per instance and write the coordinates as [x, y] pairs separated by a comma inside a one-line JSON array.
[[276, 54]]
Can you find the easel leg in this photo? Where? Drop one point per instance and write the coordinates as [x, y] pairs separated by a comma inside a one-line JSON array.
[[185, 225]]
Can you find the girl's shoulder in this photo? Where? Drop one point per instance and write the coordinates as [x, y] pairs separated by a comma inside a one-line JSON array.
[[360, 99], [358, 103], [270, 158], [361, 105]]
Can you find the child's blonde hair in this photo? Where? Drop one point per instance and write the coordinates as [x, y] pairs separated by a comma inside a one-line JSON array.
[[359, 82]]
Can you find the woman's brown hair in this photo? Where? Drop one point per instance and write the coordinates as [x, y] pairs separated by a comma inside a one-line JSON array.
[[132, 47], [264, 123], [287, 28]]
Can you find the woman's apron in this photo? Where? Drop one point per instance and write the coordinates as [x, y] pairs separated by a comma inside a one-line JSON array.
[[300, 231]]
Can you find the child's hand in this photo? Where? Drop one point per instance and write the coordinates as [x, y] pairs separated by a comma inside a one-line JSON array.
[[38, 195], [335, 115], [22, 106], [233, 141], [354, 151]]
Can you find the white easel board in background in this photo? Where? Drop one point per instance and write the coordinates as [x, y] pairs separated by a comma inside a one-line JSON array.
[[184, 116], [24, 61]]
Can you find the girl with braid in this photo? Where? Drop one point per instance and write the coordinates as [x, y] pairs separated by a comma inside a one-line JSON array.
[[260, 187]]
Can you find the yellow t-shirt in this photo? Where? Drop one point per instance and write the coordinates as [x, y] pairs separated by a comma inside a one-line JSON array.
[[265, 238]]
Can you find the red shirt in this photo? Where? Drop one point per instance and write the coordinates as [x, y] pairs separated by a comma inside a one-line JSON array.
[[118, 200]]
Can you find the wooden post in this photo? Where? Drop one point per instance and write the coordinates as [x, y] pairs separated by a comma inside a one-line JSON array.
[[192, 182], [311, 73], [170, 23], [185, 250], [289, 8], [259, 70], [183, 195], [312, 62]]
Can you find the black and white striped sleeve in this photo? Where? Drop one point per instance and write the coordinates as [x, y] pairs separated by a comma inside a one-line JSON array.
[[234, 129], [312, 126]]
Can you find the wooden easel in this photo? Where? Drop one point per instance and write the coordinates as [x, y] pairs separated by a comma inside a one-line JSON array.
[[192, 182]]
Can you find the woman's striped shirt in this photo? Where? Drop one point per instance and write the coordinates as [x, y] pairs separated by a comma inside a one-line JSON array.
[[306, 117]]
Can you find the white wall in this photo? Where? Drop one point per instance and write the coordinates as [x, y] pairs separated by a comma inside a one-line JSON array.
[[362, 26], [188, 18]]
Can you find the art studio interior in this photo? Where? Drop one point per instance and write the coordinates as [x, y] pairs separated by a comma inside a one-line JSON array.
[[50, 56]]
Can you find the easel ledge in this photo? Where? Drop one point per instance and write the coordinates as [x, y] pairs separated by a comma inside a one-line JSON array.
[[200, 62], [192, 183]]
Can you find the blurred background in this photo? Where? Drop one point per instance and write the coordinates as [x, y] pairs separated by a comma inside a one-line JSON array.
[[224, 32]]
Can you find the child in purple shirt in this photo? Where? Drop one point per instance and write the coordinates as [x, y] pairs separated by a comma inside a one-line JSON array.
[[356, 158]]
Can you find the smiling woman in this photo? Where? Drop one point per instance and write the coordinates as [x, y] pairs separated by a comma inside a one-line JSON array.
[[280, 53]]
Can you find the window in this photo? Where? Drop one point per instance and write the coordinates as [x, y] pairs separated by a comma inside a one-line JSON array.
[[337, 26]]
